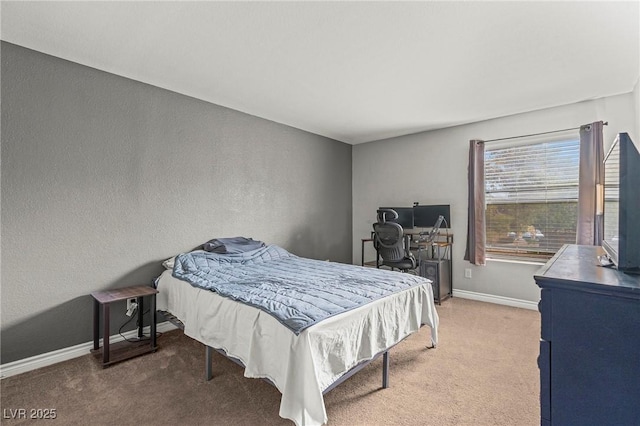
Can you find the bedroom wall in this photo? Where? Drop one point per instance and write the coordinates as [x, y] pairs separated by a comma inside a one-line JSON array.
[[104, 177], [431, 168]]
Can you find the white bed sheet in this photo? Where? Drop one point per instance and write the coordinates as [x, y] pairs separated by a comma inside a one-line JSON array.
[[301, 366]]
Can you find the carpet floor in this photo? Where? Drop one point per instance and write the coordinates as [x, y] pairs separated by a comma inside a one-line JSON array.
[[483, 372]]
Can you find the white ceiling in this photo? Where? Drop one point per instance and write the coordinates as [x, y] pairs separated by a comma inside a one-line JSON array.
[[352, 71]]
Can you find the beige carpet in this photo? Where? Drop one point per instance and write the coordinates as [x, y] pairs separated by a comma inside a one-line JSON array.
[[483, 372]]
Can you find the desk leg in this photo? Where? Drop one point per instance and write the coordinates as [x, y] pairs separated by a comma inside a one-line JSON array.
[[105, 331], [96, 324], [153, 321], [362, 252], [140, 302]]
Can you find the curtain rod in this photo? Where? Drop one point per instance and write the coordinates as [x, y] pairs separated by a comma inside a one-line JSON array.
[[606, 123]]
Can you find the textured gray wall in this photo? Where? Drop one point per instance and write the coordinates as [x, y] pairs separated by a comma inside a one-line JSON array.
[[104, 177]]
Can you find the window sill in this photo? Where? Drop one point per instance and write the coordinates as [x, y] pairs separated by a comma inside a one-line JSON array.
[[518, 261]]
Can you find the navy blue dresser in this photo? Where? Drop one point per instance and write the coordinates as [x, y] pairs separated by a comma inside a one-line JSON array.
[[590, 341]]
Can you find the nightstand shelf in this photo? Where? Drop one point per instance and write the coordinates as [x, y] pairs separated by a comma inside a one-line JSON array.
[[112, 353]]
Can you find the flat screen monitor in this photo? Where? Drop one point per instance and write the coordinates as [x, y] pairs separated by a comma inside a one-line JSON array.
[[427, 216], [405, 216]]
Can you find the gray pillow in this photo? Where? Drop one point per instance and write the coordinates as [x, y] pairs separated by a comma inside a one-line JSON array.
[[232, 245]]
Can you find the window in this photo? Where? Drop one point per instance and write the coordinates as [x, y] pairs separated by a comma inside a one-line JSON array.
[[531, 194]]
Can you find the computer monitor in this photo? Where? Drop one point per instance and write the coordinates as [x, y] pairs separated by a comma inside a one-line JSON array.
[[405, 216], [427, 216]]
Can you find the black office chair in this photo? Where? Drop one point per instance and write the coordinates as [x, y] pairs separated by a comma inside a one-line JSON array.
[[391, 243]]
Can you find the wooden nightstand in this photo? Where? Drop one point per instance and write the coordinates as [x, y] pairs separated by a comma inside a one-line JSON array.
[[122, 350]]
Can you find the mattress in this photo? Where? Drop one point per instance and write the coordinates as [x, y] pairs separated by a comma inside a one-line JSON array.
[[300, 366]]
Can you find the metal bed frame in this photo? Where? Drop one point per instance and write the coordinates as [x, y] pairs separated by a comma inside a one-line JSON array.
[[209, 352]]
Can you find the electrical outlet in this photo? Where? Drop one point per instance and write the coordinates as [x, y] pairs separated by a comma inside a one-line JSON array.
[[467, 273], [132, 305]]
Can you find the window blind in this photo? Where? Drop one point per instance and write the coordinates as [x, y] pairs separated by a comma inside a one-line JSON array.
[[531, 193]]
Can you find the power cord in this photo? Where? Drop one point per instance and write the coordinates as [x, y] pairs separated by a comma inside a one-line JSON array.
[[137, 339]]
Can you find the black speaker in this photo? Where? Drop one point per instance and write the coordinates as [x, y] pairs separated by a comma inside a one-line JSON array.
[[439, 272]]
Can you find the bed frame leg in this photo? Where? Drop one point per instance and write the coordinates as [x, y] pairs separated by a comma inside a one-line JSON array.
[[385, 370], [207, 354]]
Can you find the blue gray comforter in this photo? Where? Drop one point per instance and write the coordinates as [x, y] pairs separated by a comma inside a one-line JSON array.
[[299, 292]]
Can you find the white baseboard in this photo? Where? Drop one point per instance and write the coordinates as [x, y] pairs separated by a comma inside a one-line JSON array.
[[49, 358], [500, 300]]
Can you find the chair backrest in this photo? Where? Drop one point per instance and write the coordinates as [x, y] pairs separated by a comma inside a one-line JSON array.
[[384, 215], [388, 237]]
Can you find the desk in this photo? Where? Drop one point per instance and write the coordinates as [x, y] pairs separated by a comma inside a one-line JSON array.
[[439, 246]]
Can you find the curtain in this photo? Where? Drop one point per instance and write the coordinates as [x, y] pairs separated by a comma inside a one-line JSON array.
[[590, 226], [475, 251]]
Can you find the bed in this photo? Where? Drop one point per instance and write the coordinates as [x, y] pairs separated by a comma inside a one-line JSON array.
[[303, 362]]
